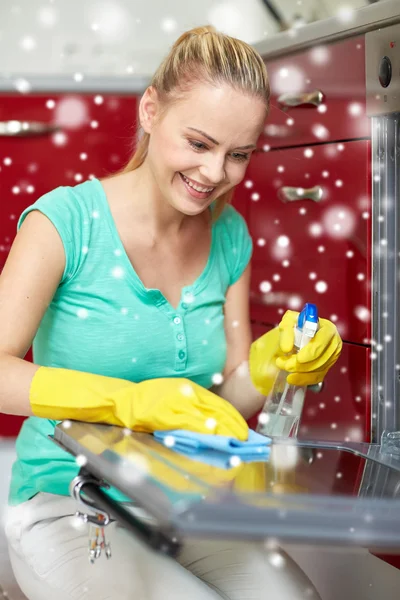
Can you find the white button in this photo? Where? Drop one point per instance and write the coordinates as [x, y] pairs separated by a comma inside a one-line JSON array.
[[177, 320]]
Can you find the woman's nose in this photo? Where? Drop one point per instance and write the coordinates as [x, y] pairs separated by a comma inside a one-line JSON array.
[[213, 170]]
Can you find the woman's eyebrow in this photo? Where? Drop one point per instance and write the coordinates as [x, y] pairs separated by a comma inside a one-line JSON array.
[[217, 143]]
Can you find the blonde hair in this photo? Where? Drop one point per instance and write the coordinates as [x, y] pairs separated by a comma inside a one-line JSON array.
[[204, 54]]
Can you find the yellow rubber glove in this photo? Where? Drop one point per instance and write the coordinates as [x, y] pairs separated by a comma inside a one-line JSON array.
[[262, 361], [155, 404], [273, 351], [310, 365]]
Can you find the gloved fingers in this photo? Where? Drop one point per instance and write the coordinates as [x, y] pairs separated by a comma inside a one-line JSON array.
[[292, 366], [326, 339], [286, 329], [189, 419], [238, 432], [228, 419], [326, 360], [197, 406], [309, 359], [304, 379]]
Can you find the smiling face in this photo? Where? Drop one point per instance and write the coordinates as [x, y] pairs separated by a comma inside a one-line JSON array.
[[201, 145]]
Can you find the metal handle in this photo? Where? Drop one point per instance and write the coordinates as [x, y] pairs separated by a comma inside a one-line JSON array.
[[291, 100], [316, 387], [165, 539], [26, 128], [101, 518], [292, 194]]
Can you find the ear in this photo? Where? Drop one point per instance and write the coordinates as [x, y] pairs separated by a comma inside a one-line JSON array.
[[148, 109]]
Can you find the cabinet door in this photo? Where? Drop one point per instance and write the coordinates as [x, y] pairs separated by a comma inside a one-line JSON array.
[[309, 217], [318, 95], [341, 409], [95, 136]]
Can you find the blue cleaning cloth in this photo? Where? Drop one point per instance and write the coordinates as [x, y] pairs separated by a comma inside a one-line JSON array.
[[217, 450]]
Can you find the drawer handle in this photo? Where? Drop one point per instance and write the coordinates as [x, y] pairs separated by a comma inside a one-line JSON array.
[[26, 128], [289, 100], [292, 194]]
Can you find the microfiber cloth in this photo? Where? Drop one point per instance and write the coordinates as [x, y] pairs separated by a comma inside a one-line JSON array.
[[216, 450]]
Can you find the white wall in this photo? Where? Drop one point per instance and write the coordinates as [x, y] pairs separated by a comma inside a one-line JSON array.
[[119, 37]]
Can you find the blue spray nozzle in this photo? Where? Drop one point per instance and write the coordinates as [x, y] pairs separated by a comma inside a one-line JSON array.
[[307, 325], [309, 313]]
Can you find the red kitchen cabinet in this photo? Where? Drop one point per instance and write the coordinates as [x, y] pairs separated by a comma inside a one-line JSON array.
[[317, 95], [341, 410], [309, 217], [65, 139]]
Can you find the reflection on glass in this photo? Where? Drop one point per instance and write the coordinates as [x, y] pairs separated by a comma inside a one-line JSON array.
[[292, 469]]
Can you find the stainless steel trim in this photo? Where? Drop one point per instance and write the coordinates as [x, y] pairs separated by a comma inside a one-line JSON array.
[[293, 194], [385, 384], [292, 100], [385, 113], [26, 128], [56, 82], [378, 44], [326, 31]]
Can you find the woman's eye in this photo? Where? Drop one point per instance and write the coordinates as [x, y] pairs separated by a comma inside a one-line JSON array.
[[239, 157], [197, 145]]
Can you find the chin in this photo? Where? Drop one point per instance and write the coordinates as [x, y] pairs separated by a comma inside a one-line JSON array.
[[190, 211]]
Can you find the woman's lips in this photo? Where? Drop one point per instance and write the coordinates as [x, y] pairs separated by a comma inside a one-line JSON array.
[[194, 193]]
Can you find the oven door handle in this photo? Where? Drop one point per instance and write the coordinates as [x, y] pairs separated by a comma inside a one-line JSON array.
[[26, 128], [293, 194], [294, 100]]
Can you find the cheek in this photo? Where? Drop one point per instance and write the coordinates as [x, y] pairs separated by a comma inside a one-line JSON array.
[[174, 156], [237, 173]]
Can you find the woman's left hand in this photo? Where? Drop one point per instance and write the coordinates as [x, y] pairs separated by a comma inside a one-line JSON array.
[[310, 365]]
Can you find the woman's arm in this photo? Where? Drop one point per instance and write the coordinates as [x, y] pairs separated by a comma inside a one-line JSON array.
[[239, 390], [28, 283], [237, 386]]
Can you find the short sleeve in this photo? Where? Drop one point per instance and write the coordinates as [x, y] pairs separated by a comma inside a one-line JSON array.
[[63, 209], [238, 245]]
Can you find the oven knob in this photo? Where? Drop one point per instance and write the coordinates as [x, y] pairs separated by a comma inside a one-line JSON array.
[[385, 71]]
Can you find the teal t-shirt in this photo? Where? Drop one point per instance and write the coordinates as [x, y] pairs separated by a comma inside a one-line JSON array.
[[103, 320]]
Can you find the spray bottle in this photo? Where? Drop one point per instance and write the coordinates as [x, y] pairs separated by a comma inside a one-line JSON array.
[[282, 410]]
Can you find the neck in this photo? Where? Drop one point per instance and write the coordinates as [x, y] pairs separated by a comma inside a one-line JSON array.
[[152, 210]]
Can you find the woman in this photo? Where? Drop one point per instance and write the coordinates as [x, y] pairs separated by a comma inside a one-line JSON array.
[[134, 290]]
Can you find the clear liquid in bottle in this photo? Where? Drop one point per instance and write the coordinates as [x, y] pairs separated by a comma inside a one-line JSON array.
[[282, 410]]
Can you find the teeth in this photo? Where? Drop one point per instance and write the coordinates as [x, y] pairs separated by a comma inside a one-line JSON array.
[[196, 187]]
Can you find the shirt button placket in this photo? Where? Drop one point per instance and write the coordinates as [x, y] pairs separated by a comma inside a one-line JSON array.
[[180, 344]]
